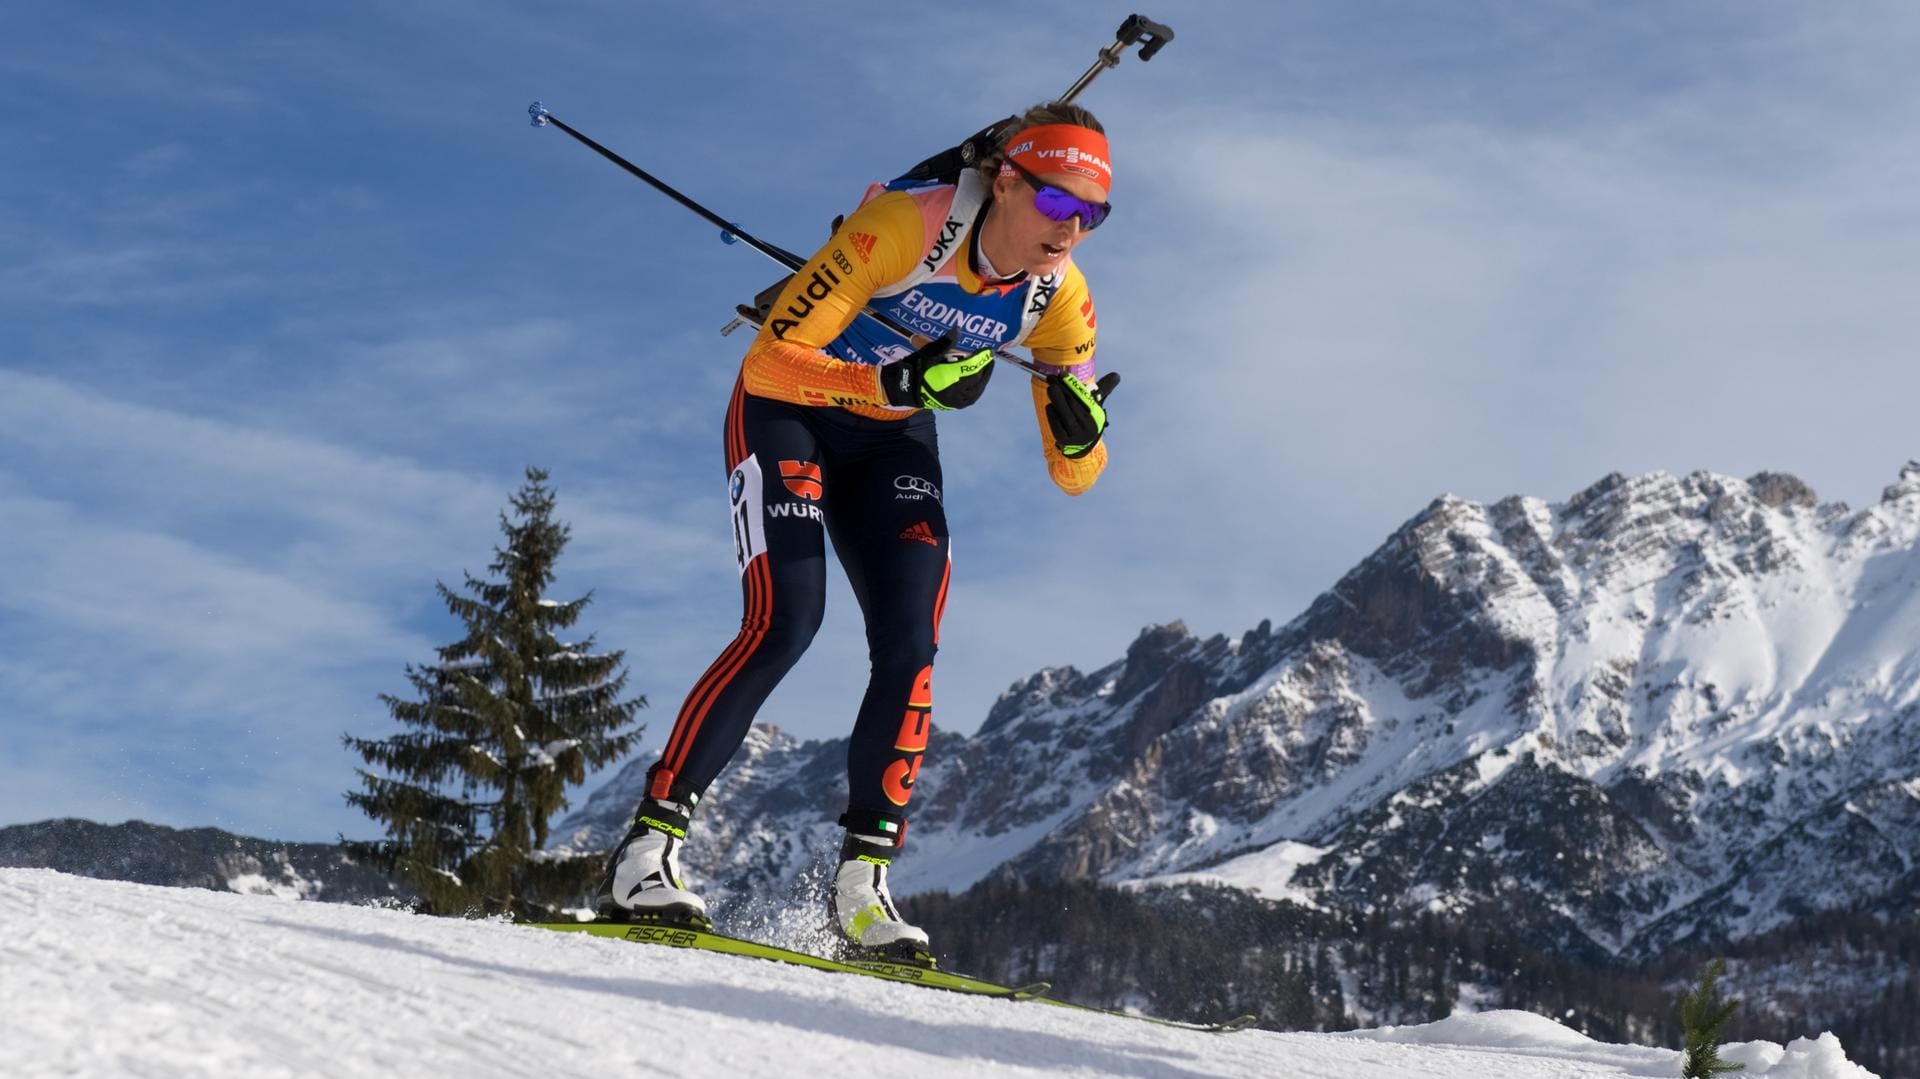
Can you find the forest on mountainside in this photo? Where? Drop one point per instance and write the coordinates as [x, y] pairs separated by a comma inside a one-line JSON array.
[[1203, 952]]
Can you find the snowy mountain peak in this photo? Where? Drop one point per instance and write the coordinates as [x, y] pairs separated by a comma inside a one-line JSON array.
[[1907, 488], [1667, 706]]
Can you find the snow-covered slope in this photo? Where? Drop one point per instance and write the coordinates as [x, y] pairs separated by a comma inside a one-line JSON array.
[[1668, 707], [109, 979]]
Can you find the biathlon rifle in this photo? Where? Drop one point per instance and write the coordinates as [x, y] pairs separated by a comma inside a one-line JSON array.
[[1138, 30]]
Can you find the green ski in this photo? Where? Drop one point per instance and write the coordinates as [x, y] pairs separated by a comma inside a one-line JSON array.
[[674, 936]]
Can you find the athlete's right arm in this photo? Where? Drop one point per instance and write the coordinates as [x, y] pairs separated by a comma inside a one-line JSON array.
[[877, 245]]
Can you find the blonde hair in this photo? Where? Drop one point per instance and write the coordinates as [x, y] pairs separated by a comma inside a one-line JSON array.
[[1053, 112]]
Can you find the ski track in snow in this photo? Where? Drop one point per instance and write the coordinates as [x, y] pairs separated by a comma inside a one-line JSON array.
[[103, 978]]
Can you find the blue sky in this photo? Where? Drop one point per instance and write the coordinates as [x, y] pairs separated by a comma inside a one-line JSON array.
[[290, 294]]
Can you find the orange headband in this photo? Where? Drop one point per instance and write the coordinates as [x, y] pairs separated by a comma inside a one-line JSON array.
[[1070, 148]]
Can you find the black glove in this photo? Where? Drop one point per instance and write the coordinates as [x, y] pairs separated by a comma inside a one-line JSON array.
[[1077, 415], [934, 377]]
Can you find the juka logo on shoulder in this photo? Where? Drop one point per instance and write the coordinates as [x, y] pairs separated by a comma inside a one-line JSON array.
[[1043, 291], [949, 232]]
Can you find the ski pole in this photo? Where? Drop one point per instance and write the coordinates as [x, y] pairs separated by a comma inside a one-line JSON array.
[[543, 118], [728, 230], [1135, 30]]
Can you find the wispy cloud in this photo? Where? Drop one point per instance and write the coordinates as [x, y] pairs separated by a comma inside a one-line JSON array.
[[1328, 318], [172, 600], [245, 586], [293, 300], [119, 276]]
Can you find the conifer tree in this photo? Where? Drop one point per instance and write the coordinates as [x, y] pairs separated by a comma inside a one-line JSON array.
[[498, 729], [1704, 1016]]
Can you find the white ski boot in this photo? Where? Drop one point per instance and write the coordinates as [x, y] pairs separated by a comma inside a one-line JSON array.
[[643, 882], [863, 909]]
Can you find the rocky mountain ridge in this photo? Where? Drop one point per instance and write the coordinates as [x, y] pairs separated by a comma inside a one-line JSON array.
[[196, 858], [1666, 708]]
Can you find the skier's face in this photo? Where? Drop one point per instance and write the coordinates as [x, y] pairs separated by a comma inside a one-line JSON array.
[[1040, 244]]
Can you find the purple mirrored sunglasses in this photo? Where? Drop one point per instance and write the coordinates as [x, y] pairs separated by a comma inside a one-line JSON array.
[[1057, 204]]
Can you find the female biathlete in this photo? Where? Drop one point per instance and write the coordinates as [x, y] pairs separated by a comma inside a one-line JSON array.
[[831, 433]]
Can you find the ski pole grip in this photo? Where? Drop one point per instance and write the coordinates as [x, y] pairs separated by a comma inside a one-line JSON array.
[[539, 113], [1148, 34]]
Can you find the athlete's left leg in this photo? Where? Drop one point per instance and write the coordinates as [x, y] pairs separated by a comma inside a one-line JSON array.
[[889, 530]]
